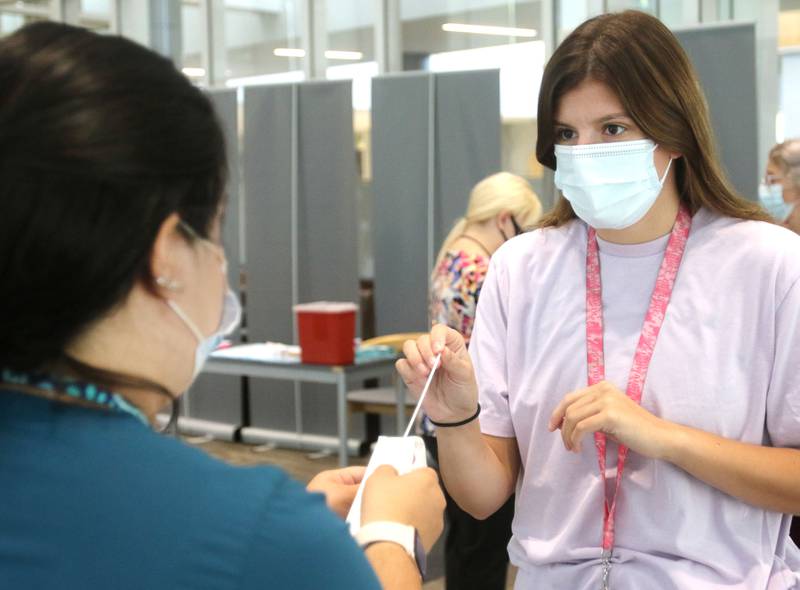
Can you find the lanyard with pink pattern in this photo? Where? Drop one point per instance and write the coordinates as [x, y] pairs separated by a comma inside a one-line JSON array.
[[641, 360]]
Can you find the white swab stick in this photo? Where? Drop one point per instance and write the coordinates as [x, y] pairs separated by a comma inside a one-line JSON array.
[[424, 392]]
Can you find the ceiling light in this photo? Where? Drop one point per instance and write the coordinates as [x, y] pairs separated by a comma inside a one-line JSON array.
[[487, 30], [194, 72], [289, 52], [344, 55]]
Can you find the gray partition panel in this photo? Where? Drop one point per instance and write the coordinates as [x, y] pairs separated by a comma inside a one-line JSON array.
[[328, 260], [400, 188], [215, 397], [325, 233], [328, 239], [467, 141], [266, 167], [226, 106], [725, 59]]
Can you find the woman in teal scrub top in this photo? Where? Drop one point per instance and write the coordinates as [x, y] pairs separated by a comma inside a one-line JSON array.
[[113, 291]]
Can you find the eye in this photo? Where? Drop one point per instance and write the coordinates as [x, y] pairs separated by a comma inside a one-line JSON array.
[[564, 134], [614, 129]]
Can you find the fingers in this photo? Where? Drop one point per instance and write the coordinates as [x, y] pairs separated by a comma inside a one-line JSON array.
[[443, 336], [557, 417], [594, 423], [409, 375], [351, 475], [423, 473], [414, 358], [425, 351], [384, 471], [576, 415]]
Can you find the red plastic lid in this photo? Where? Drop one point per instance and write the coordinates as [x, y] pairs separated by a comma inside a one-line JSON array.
[[325, 307]]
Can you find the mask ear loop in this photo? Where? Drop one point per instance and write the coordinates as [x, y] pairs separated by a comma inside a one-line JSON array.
[[666, 171], [186, 320], [664, 177]]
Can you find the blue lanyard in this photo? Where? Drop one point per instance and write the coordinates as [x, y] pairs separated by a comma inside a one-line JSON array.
[[74, 389]]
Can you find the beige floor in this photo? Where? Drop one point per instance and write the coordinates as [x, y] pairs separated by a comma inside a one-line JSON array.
[[299, 464]]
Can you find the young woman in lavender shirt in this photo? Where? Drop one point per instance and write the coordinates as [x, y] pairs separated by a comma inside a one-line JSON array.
[[652, 314]]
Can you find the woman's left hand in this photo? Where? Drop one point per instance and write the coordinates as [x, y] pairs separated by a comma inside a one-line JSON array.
[[339, 486], [604, 408]]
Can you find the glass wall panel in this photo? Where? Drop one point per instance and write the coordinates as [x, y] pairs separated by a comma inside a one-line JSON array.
[[679, 13], [96, 15], [448, 35], [17, 14], [350, 55], [435, 26], [257, 41], [643, 5], [263, 38]]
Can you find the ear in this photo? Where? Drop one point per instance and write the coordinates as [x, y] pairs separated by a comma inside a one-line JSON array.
[[503, 217], [165, 255]]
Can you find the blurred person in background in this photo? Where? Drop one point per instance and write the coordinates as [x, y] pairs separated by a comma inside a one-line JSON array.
[[779, 191]]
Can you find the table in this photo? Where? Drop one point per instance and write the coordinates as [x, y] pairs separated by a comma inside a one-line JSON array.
[[340, 376]]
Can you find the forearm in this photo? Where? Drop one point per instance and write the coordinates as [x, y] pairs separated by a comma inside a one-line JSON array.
[[766, 477], [474, 475], [393, 566]]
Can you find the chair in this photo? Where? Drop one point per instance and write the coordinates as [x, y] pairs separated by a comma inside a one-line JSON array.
[[380, 400]]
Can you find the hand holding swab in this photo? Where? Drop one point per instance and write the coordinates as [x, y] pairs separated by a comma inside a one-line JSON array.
[[435, 366]]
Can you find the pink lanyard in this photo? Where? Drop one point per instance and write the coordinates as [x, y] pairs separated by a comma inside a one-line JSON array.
[[641, 360]]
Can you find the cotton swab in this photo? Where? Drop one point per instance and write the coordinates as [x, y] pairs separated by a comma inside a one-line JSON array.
[[435, 366]]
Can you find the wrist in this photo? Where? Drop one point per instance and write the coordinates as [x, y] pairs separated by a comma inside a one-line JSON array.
[[403, 536], [674, 442], [459, 422]]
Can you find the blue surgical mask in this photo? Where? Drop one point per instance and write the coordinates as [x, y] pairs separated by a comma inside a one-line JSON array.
[[771, 198], [229, 321], [609, 185]]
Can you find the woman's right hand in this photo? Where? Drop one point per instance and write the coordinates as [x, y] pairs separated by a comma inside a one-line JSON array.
[[453, 395], [414, 499]]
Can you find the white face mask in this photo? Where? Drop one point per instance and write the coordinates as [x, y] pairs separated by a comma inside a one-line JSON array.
[[771, 198], [229, 319], [609, 185]]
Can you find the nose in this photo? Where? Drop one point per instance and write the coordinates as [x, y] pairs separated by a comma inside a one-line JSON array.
[[588, 136]]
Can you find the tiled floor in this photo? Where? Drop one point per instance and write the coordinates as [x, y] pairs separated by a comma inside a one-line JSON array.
[[299, 464]]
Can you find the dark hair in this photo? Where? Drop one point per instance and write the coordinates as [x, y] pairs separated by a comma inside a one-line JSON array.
[[638, 57], [100, 141]]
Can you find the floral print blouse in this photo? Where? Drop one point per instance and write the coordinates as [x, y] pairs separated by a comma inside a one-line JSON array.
[[455, 286]]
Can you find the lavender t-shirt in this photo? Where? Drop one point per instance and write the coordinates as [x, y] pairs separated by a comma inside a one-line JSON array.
[[726, 361]]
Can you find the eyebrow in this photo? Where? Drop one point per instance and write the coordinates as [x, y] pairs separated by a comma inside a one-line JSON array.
[[601, 119]]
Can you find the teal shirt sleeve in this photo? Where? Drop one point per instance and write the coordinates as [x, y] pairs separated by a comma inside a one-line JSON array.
[[298, 543]]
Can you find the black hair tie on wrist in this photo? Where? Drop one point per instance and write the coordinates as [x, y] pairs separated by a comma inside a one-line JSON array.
[[454, 424]]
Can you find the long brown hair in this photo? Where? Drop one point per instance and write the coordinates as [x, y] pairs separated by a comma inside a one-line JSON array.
[[642, 62]]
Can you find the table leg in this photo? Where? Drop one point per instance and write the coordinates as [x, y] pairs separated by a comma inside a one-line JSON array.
[[341, 409]]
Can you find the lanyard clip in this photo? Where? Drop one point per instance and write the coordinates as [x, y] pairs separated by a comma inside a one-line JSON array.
[[606, 565]]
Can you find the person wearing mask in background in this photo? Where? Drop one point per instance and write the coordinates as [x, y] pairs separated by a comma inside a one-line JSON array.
[[114, 291], [779, 191], [499, 207], [633, 372]]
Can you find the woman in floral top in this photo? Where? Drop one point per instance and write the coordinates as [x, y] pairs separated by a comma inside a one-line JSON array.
[[499, 207]]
